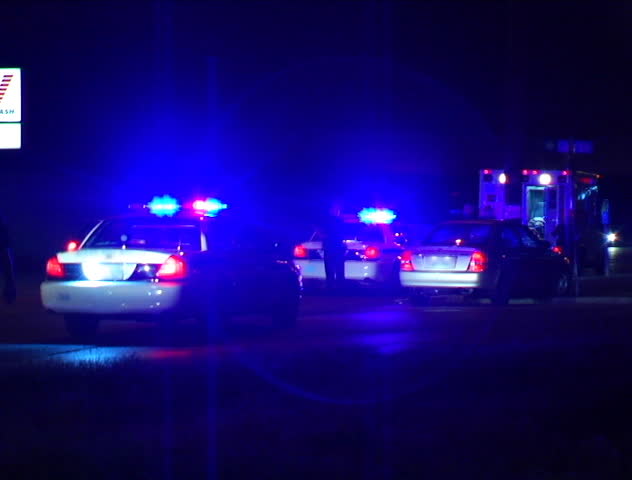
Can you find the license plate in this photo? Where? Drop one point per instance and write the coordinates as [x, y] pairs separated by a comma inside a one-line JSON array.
[[103, 271], [439, 262]]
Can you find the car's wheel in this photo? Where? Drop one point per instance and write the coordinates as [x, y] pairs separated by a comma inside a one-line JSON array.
[[420, 300], [82, 327], [502, 293], [562, 285]]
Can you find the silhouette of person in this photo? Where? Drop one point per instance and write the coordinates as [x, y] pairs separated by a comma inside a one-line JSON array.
[[334, 248], [6, 264]]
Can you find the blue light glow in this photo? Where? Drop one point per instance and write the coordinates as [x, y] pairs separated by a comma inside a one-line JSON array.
[[210, 206], [164, 206], [376, 215]]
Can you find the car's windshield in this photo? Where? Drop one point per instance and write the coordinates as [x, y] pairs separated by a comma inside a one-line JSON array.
[[146, 235], [465, 234]]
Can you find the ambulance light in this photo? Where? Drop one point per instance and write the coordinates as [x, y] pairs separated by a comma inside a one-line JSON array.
[[376, 215], [164, 206], [487, 171], [502, 178], [611, 237], [545, 179], [208, 207], [525, 172]]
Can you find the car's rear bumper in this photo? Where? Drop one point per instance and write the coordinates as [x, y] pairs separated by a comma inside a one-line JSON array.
[[354, 270], [443, 280], [111, 298]]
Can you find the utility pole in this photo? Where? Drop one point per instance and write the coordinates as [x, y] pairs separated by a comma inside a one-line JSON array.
[[570, 232]]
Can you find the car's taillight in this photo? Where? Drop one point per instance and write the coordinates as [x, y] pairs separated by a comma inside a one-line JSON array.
[[371, 253], [300, 251], [557, 249], [54, 268], [173, 268], [478, 262], [406, 261]]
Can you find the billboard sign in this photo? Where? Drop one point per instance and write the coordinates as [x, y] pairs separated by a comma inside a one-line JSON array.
[[10, 95]]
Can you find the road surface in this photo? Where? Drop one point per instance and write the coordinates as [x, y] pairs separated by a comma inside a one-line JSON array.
[[365, 386]]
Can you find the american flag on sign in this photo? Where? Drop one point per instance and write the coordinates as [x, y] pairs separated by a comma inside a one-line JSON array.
[[4, 84]]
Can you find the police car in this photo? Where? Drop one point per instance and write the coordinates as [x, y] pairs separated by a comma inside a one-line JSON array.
[[372, 250], [164, 262]]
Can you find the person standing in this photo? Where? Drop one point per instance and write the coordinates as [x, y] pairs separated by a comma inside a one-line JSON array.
[[334, 248]]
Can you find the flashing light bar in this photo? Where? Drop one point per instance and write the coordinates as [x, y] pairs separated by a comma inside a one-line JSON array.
[[376, 216], [164, 206], [209, 207]]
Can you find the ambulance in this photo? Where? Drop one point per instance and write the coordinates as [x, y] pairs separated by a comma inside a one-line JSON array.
[[563, 207]]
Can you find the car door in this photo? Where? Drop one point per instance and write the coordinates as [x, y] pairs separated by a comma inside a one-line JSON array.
[[514, 258], [540, 260]]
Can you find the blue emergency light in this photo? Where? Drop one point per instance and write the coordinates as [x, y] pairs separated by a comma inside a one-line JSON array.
[[164, 206], [376, 216], [209, 207]]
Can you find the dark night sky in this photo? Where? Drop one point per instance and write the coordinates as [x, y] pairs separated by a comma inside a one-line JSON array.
[[272, 99]]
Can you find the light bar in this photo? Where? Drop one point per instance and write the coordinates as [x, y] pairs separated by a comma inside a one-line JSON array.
[[164, 206], [209, 207], [376, 215]]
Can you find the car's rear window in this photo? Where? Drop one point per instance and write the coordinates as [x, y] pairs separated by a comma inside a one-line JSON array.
[[139, 235], [360, 232], [460, 234]]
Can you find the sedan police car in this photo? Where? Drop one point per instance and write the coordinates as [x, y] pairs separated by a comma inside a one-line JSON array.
[[485, 258], [372, 250], [166, 263]]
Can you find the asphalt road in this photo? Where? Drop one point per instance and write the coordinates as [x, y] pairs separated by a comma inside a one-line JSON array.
[[522, 391], [363, 318]]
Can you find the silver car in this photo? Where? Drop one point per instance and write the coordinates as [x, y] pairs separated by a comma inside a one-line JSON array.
[[485, 258]]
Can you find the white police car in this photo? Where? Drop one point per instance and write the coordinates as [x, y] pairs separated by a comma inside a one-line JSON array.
[[372, 254], [167, 263]]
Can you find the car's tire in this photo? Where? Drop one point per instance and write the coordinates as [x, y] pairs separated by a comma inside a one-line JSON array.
[[502, 293], [562, 285], [82, 328], [420, 300]]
